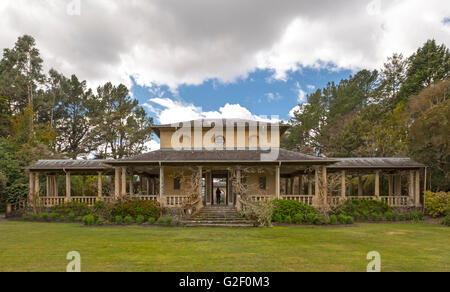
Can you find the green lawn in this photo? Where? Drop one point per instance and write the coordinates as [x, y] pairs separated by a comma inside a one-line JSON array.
[[403, 247]]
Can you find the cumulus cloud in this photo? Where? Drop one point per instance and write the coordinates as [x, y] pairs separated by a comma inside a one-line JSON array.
[[168, 111], [186, 42]]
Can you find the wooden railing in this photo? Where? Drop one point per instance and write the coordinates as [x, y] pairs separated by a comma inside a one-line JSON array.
[[146, 198], [14, 208], [399, 201], [90, 201], [175, 201], [302, 199], [259, 198]]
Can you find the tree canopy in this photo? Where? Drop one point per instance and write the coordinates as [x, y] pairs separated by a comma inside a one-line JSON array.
[[400, 110]]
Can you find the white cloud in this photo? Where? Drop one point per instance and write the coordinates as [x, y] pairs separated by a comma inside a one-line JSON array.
[[297, 110], [273, 96], [301, 94], [170, 111], [153, 145], [186, 42], [311, 87]]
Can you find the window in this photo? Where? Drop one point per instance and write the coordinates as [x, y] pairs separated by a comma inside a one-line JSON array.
[[262, 183], [219, 141], [176, 184]]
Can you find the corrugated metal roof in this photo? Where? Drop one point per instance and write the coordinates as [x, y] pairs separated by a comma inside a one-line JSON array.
[[226, 156], [70, 165], [219, 156], [384, 162]]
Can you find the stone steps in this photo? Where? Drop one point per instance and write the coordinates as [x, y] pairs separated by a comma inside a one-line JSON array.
[[217, 216]]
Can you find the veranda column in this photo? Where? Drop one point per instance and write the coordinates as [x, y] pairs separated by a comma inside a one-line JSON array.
[[68, 189], [99, 185], [310, 192], [325, 184], [161, 186], [292, 179], [37, 186], [343, 186], [316, 182], [31, 190], [377, 184], [277, 182], [200, 171], [391, 185], [411, 186], [141, 185], [47, 185], [360, 186], [132, 184], [117, 183], [123, 192], [301, 187], [417, 191], [398, 185]]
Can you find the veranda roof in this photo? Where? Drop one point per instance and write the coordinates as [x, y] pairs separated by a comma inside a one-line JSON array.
[[384, 162], [166, 155]]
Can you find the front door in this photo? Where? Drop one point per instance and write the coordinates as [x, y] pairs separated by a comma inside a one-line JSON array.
[[219, 188]]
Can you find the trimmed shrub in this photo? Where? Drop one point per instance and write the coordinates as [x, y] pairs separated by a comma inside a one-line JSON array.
[[333, 220], [71, 216], [349, 220], [437, 203], [135, 208], [128, 220], [100, 222], [446, 220], [88, 220], [415, 216], [26, 217], [140, 219], [364, 215], [375, 217], [79, 219], [401, 217], [54, 216], [118, 220], [277, 218], [299, 219], [34, 217], [161, 221], [102, 209], [390, 216], [44, 216], [151, 220], [168, 220], [287, 219], [342, 219], [291, 208], [311, 218], [363, 209], [79, 209]]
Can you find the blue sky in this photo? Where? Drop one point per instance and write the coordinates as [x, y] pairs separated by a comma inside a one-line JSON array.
[[259, 92]]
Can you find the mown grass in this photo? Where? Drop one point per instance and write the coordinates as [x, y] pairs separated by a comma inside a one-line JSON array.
[[27, 246]]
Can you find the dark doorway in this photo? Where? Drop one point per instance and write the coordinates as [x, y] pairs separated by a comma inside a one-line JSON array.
[[219, 181]]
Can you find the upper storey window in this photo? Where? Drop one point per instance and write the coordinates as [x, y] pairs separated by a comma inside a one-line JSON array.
[[219, 141]]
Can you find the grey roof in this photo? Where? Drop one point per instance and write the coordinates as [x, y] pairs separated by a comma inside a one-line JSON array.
[[385, 162], [70, 165], [224, 122], [166, 155]]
